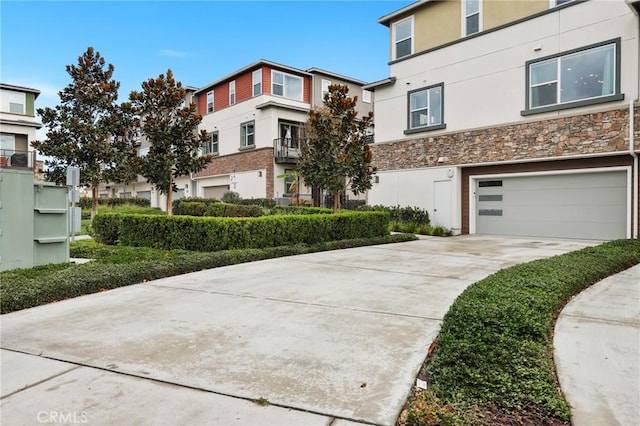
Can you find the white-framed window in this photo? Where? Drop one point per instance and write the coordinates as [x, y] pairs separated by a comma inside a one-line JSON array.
[[366, 96], [425, 107], [554, 3], [247, 134], [403, 38], [13, 102], [574, 78], [256, 78], [232, 92], [210, 101], [211, 145], [288, 181], [287, 85], [7, 144], [325, 87], [471, 17]]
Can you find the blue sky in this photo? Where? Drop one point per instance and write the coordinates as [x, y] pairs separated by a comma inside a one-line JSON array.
[[200, 41]]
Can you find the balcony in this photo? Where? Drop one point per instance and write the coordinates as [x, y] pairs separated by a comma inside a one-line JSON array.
[[19, 160], [287, 150]]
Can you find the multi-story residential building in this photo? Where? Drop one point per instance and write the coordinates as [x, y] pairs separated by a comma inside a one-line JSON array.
[[255, 118], [512, 117], [18, 126], [255, 121]]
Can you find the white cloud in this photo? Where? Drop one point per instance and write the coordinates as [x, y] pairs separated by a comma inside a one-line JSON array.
[[172, 53]]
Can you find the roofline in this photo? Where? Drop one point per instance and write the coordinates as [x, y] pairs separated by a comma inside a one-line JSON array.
[[19, 88], [336, 75], [247, 68], [379, 83], [386, 19]]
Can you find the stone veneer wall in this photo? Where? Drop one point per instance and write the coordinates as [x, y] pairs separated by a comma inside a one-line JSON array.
[[255, 159], [600, 132]]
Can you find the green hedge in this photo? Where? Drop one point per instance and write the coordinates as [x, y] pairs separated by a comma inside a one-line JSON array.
[[232, 210], [299, 210], [213, 234], [406, 214], [85, 202], [118, 266], [495, 346]]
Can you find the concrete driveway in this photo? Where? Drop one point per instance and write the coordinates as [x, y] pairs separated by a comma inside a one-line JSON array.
[[328, 337]]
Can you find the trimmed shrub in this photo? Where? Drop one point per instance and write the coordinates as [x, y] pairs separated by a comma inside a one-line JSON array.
[[232, 210], [214, 234], [299, 210], [190, 208], [407, 214], [495, 346], [267, 203], [231, 197], [85, 202]]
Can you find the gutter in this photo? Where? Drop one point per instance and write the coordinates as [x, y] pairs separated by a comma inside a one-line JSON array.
[[634, 227]]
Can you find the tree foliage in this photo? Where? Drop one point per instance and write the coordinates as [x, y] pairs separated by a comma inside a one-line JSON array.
[[81, 127], [171, 129], [336, 156]]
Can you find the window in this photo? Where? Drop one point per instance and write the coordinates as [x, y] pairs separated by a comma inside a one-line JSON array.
[[576, 78], [247, 135], [232, 92], [257, 82], [16, 108], [425, 108], [210, 101], [288, 181], [289, 86], [471, 17], [325, 87], [7, 144], [554, 3], [366, 96], [13, 102], [403, 38], [211, 145]]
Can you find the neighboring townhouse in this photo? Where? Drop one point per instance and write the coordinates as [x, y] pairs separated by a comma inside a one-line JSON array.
[[255, 119], [18, 126], [140, 188], [512, 117]]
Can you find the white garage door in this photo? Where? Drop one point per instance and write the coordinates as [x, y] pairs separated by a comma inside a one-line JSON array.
[[215, 191], [577, 205]]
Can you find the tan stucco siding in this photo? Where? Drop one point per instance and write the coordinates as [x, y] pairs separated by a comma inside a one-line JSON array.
[[500, 12], [437, 23]]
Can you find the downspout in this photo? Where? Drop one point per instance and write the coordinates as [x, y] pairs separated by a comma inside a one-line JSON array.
[[634, 233]]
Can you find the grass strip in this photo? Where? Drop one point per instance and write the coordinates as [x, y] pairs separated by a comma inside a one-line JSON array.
[[118, 266]]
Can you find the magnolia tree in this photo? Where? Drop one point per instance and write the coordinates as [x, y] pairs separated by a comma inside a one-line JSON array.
[[171, 129], [81, 128], [336, 155]]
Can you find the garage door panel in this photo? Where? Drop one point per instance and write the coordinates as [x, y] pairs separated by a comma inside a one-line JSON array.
[[577, 205]]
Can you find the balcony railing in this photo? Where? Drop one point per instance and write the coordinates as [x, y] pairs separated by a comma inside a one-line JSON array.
[[20, 160], [287, 150]]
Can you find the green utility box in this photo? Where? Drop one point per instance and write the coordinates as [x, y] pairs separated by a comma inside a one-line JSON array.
[[34, 225]]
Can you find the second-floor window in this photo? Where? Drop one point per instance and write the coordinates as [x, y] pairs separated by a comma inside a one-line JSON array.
[[588, 75], [425, 108], [13, 102], [325, 88], [211, 145], [257, 82], [232, 92], [247, 135], [366, 96], [287, 85], [403, 38], [210, 101], [471, 17]]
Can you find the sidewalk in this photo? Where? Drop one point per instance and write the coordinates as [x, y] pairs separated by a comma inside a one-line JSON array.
[[597, 352]]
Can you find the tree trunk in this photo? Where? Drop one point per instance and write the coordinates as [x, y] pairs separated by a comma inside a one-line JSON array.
[[94, 201], [336, 201], [170, 198]]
